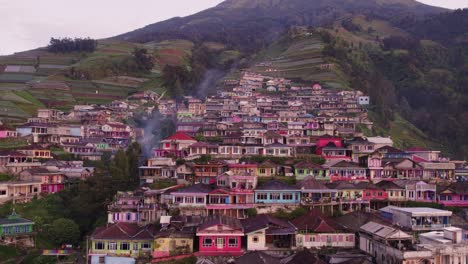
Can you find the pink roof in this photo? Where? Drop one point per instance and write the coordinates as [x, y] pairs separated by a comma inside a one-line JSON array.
[[180, 136]]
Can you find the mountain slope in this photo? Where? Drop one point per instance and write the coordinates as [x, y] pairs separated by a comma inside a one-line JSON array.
[[248, 24]]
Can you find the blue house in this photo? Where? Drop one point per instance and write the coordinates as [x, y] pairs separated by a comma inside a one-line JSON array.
[[276, 192]]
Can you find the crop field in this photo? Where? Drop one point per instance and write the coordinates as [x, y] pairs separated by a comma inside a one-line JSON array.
[[299, 59], [15, 77]]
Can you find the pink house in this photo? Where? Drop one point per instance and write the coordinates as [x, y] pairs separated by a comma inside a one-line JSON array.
[[220, 235], [52, 182], [6, 132], [372, 192], [455, 194]]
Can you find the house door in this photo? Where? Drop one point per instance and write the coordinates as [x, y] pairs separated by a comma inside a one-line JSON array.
[[172, 245], [220, 243]]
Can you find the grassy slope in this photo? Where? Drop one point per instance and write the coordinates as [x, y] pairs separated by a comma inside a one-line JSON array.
[[18, 101]]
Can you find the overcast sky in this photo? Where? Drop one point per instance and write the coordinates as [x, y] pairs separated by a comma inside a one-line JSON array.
[[28, 24]]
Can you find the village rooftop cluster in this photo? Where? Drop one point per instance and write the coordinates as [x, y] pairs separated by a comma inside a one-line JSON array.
[[261, 147]]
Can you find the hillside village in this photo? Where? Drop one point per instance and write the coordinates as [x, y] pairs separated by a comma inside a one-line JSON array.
[[262, 172]]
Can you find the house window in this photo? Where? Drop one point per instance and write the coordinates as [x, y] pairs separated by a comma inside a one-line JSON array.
[[124, 246], [2, 192], [99, 245], [262, 171], [6, 230], [255, 239], [178, 199], [207, 242], [232, 242], [200, 200], [262, 196], [275, 196], [379, 193], [312, 239], [188, 199], [112, 246], [449, 197], [301, 171], [287, 196], [145, 245], [135, 246], [129, 216]]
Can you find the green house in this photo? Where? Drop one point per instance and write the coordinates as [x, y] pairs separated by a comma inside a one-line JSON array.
[[15, 225], [16, 230], [123, 239], [305, 169]]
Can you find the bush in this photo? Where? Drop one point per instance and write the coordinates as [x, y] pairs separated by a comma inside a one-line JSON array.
[[64, 231]]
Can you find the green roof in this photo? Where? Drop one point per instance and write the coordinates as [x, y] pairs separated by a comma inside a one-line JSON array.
[[14, 219]]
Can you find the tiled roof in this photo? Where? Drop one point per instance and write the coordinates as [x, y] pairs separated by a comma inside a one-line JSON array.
[[307, 164], [303, 257], [196, 188], [315, 221], [267, 164], [274, 225], [180, 136], [120, 231], [388, 185], [311, 183], [214, 220], [346, 164], [14, 219], [275, 185], [256, 257]]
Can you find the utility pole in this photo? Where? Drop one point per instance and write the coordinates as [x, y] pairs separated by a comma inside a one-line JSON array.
[[86, 260]]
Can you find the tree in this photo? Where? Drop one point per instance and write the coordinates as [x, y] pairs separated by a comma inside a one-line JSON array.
[[144, 61], [64, 231]]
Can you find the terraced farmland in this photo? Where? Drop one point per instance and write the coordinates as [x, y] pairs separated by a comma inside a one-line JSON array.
[[301, 60]]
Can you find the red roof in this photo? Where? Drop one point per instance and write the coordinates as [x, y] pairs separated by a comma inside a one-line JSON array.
[[180, 136]]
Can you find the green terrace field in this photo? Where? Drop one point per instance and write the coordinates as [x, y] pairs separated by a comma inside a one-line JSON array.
[[38, 79], [300, 59]]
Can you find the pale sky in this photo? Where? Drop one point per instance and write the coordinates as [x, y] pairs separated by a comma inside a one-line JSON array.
[[28, 24]]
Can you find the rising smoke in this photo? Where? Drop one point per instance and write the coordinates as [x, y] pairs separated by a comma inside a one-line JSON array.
[[153, 134], [209, 82]]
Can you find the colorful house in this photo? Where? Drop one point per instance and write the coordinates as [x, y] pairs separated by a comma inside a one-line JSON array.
[[6, 132], [395, 193], [192, 199], [277, 192], [122, 239], [346, 171], [372, 192], [125, 208], [305, 169], [220, 235], [455, 194], [265, 232], [176, 145], [315, 230], [173, 239], [314, 191], [16, 230], [208, 172], [401, 168], [267, 169]]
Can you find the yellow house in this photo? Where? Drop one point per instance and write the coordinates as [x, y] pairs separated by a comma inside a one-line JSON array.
[[267, 169], [172, 243]]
